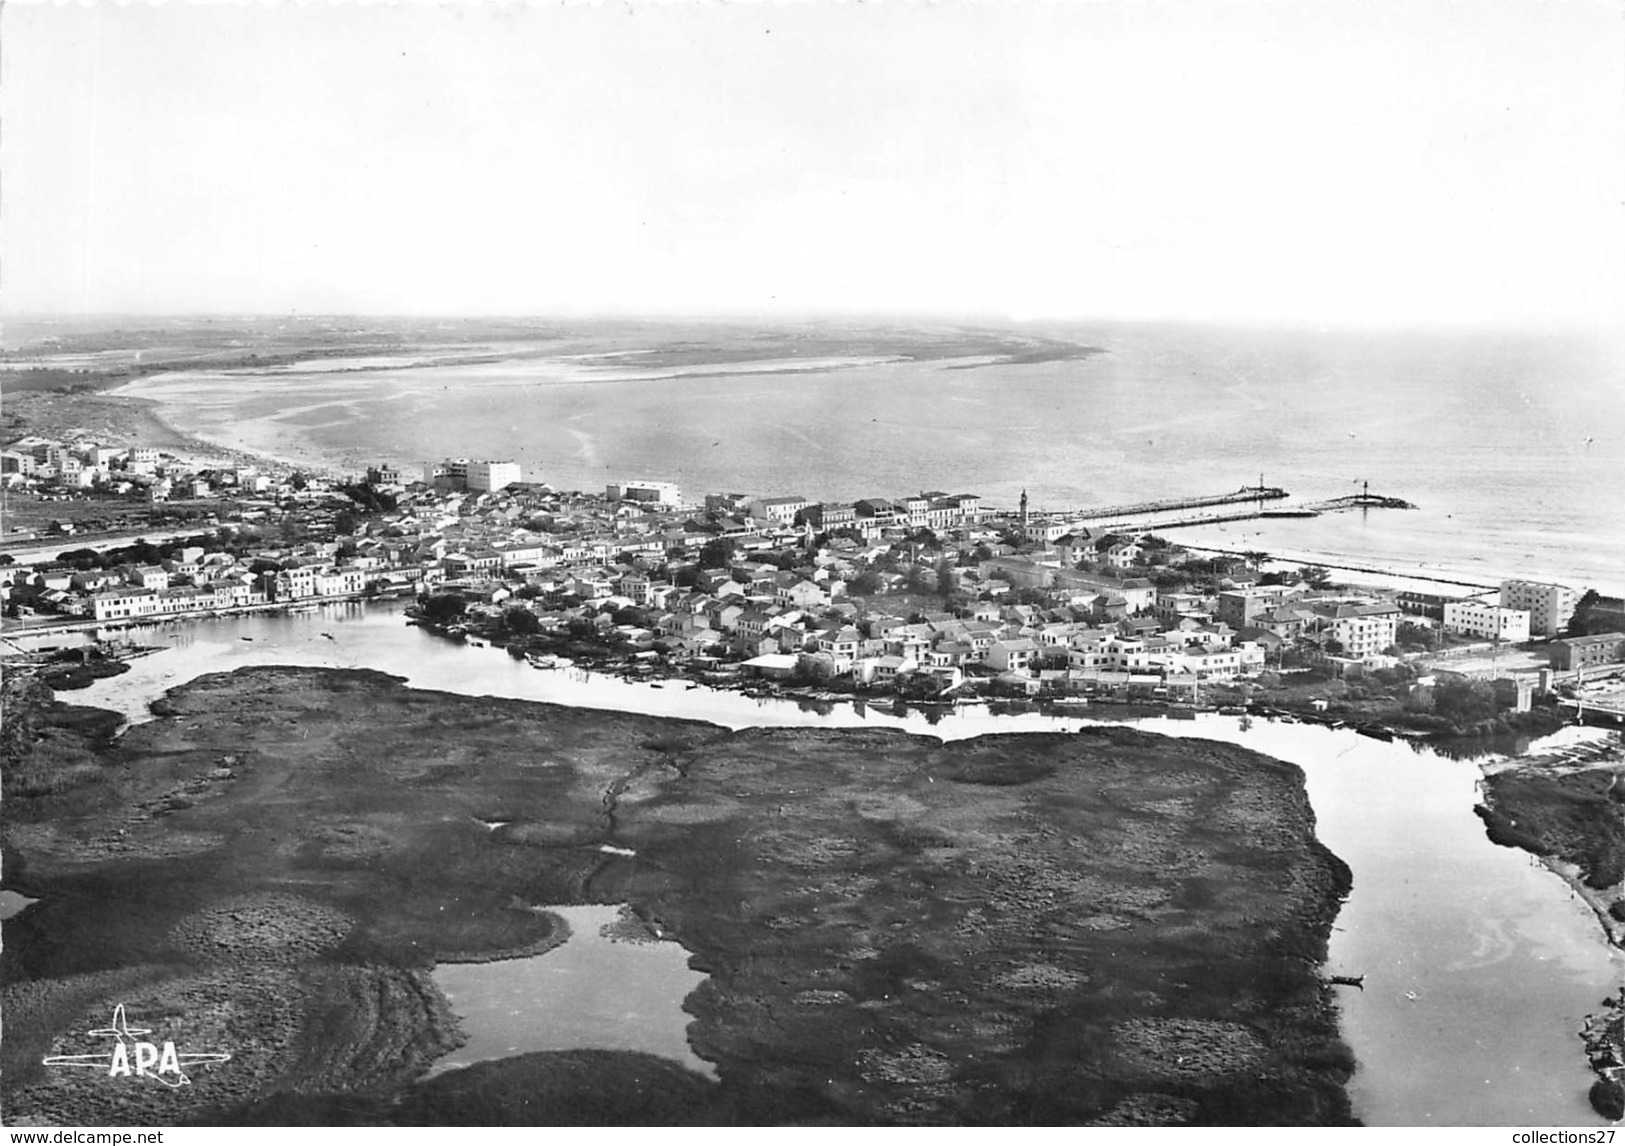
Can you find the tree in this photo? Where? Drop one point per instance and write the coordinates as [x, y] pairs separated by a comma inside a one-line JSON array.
[[80, 558], [443, 608], [716, 553], [865, 584], [947, 579], [1315, 576], [1413, 635], [369, 498], [1255, 557], [521, 622], [1594, 614], [582, 629], [1464, 701]]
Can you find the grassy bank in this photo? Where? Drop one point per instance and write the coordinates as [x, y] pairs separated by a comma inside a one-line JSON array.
[[1575, 815], [1104, 927]]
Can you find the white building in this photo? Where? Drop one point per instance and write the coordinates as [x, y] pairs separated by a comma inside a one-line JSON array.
[[1483, 619], [1361, 630], [120, 604], [1549, 606], [340, 582], [652, 492], [480, 476], [779, 508]]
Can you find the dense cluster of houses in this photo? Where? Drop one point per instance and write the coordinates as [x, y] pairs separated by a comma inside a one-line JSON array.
[[191, 579], [46, 466], [784, 587]]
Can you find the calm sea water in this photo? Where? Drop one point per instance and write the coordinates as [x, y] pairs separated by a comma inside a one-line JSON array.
[[1513, 446]]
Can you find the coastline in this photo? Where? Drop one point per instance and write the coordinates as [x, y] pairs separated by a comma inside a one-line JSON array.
[[153, 428], [1290, 561]]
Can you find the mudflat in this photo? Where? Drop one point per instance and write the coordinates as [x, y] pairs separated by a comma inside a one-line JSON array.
[[1105, 927]]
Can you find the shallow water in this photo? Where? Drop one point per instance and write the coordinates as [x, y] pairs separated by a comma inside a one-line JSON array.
[[1502, 959], [12, 902], [599, 990]]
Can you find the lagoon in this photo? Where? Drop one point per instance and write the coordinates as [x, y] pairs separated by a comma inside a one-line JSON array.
[[1480, 963]]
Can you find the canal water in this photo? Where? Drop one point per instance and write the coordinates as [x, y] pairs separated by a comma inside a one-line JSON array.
[[1479, 964]]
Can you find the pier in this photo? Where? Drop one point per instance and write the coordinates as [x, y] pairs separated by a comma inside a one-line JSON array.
[[1249, 503], [1259, 493], [1307, 509]]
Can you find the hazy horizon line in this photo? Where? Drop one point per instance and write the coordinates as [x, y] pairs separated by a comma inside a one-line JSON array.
[[1432, 324]]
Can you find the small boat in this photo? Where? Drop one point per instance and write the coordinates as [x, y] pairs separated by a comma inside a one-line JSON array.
[[1348, 981]]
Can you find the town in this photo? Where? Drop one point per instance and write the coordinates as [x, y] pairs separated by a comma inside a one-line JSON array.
[[934, 596]]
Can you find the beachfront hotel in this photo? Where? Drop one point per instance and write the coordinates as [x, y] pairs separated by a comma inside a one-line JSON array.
[[1550, 606], [651, 492], [480, 476]]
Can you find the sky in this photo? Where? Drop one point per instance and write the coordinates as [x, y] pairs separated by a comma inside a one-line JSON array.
[[1313, 161]]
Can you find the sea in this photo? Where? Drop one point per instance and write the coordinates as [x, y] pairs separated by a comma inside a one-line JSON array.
[[1510, 444]]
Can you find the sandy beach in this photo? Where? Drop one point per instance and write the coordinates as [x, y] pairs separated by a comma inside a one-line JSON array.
[[150, 425]]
